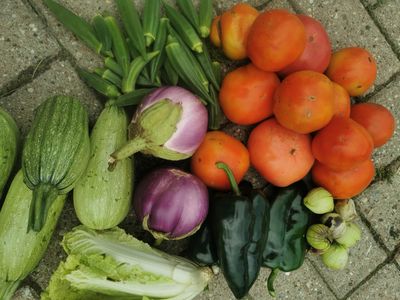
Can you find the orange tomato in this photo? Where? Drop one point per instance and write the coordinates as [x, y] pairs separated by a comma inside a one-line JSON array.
[[246, 94], [377, 119], [304, 101], [354, 69], [276, 39], [280, 155], [342, 144], [344, 184], [218, 146], [341, 101], [214, 31], [234, 29]]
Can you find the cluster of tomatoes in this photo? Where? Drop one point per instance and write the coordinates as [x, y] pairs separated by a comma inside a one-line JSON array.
[[297, 94]]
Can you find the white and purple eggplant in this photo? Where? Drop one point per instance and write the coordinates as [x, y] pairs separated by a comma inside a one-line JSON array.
[[170, 123], [171, 204]]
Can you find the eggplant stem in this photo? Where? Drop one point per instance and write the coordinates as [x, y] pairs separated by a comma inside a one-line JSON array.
[[131, 147], [270, 282], [157, 242], [231, 177]]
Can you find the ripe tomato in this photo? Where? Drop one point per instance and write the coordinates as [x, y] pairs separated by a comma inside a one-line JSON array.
[[276, 39], [354, 69], [377, 119], [280, 155], [318, 50], [218, 146], [234, 29], [344, 184], [341, 101], [304, 101], [214, 32], [342, 144], [246, 94]]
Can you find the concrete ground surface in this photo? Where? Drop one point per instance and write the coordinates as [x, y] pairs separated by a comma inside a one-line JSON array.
[[39, 58]]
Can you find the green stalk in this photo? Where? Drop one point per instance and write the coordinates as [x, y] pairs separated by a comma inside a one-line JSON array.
[[128, 82], [113, 66], [205, 17], [103, 34], [7, 289], [132, 98], [189, 11], [99, 84], [184, 29], [159, 45], [82, 29], [232, 181], [151, 20], [119, 44], [270, 282], [131, 21]]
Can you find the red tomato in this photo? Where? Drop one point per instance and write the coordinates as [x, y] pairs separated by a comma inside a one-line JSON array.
[[377, 119], [317, 54], [342, 144], [246, 94], [354, 69], [276, 39], [304, 101], [218, 146], [280, 155], [341, 101], [344, 184]]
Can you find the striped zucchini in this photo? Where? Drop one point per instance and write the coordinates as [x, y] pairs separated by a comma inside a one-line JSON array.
[[21, 251], [9, 136], [102, 198], [55, 153]]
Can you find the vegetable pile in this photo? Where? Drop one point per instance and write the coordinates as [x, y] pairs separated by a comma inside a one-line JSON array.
[[307, 140]]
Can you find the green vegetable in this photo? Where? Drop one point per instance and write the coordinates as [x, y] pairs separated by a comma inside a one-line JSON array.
[[103, 34], [9, 137], [101, 198], [159, 45], [319, 237], [286, 244], [189, 11], [151, 20], [113, 66], [205, 62], [132, 98], [184, 29], [110, 76], [130, 19], [240, 228], [115, 264], [171, 77], [99, 84], [217, 71], [21, 251], [205, 17], [82, 29], [350, 236], [319, 201], [335, 257], [55, 153]]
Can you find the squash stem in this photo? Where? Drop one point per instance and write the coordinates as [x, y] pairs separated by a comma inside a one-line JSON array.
[[231, 177], [131, 147], [270, 282], [8, 288], [43, 196]]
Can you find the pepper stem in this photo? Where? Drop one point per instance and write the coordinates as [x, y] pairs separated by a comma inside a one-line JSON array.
[[270, 282], [231, 177]]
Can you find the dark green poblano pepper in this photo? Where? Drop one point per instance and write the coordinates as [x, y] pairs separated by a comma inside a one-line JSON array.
[[286, 244], [239, 229]]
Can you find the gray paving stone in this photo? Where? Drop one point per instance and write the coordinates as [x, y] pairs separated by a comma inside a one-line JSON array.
[[275, 4], [388, 16], [24, 41], [380, 205], [25, 293], [222, 5], [390, 98], [62, 79], [304, 283], [349, 24], [363, 259], [385, 284]]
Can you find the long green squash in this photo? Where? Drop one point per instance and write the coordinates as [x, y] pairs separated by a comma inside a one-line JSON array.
[[21, 251], [55, 154], [102, 198], [9, 136]]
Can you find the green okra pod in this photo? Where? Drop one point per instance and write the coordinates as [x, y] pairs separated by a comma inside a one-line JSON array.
[[151, 20], [120, 48], [135, 68], [205, 62], [216, 66], [159, 45], [82, 29], [112, 77], [146, 82], [189, 11], [205, 17], [131, 20], [103, 34], [184, 29], [111, 64], [99, 84], [132, 98], [172, 76]]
